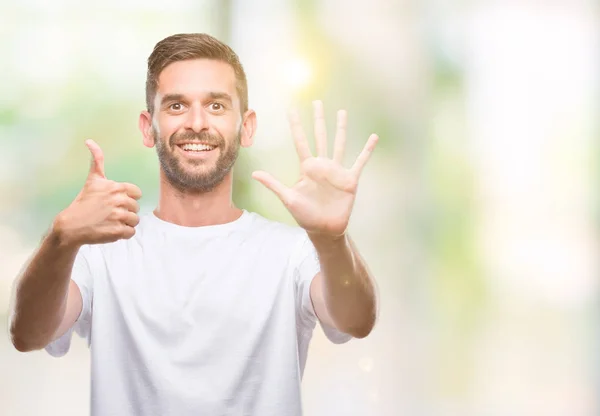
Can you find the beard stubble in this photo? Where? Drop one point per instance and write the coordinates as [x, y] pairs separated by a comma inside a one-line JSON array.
[[193, 178]]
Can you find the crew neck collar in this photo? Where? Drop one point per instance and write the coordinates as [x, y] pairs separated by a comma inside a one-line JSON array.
[[201, 230]]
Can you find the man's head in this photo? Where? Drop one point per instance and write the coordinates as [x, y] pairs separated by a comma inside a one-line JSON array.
[[197, 110]]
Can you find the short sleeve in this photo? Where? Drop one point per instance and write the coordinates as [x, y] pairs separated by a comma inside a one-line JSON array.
[[307, 266], [82, 276]]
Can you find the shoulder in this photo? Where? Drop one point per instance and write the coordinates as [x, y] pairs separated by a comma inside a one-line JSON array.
[[290, 241], [275, 230]]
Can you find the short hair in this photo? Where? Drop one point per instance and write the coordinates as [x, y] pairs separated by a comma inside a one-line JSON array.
[[186, 46]]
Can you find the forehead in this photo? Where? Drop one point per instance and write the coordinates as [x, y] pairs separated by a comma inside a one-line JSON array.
[[196, 77]]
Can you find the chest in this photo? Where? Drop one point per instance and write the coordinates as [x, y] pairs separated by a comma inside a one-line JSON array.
[[199, 291]]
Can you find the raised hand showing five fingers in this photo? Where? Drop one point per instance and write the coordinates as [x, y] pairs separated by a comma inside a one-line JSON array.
[[321, 201]]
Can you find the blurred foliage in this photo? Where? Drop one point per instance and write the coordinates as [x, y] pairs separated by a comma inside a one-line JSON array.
[[428, 246], [440, 222]]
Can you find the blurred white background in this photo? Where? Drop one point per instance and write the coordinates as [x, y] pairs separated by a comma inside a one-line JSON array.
[[478, 212]]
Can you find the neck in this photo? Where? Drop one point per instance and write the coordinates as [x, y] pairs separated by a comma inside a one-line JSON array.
[[197, 209]]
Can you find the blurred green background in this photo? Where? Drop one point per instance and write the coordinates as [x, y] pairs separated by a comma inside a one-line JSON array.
[[477, 213]]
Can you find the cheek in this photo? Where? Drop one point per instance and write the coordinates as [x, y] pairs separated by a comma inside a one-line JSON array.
[[228, 128], [165, 127]]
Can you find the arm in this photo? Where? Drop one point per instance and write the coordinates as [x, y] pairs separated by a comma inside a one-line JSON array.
[[321, 202], [45, 302], [343, 293]]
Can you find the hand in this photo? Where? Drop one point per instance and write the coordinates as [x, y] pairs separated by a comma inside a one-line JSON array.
[[321, 201], [104, 211]]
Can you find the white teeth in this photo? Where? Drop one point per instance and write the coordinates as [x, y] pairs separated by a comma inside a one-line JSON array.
[[196, 147]]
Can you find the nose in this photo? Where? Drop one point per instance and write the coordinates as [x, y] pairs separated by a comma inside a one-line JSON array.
[[197, 119]]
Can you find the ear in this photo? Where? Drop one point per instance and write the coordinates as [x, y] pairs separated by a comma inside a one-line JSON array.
[[248, 128], [145, 125]]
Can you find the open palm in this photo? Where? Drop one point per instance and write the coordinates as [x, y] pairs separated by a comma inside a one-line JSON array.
[[321, 201]]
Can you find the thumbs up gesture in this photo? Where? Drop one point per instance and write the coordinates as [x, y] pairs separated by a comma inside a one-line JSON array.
[[104, 211]]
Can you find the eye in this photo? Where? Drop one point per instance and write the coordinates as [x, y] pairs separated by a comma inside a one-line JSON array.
[[217, 107], [176, 107]]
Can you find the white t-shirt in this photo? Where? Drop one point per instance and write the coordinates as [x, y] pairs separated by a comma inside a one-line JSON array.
[[184, 321]]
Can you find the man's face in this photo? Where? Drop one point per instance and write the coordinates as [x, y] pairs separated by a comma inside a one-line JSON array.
[[197, 123]]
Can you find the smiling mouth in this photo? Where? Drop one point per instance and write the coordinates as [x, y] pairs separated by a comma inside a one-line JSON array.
[[196, 147]]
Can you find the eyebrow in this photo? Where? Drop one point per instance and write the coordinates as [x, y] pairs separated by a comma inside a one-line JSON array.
[[212, 95], [220, 96], [171, 97]]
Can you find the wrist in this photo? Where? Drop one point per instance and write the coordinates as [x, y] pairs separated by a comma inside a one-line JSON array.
[[61, 235], [326, 241]]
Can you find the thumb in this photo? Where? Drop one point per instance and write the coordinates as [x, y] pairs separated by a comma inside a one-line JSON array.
[[271, 183], [97, 165]]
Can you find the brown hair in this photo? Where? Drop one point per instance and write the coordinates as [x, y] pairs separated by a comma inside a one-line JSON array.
[[187, 46]]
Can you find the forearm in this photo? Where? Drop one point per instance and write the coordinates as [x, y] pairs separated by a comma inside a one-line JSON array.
[[40, 292], [348, 288]]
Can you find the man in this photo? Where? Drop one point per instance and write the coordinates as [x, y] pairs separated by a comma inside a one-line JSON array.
[[199, 307]]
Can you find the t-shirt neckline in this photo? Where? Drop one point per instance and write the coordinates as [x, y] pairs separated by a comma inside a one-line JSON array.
[[201, 230]]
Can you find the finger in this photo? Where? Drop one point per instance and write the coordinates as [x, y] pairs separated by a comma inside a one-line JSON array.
[[97, 164], [129, 204], [340, 137], [364, 156], [273, 184], [132, 190], [299, 138], [131, 219], [127, 231], [320, 129]]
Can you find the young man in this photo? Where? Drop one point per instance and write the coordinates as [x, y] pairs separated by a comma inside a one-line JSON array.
[[200, 307]]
